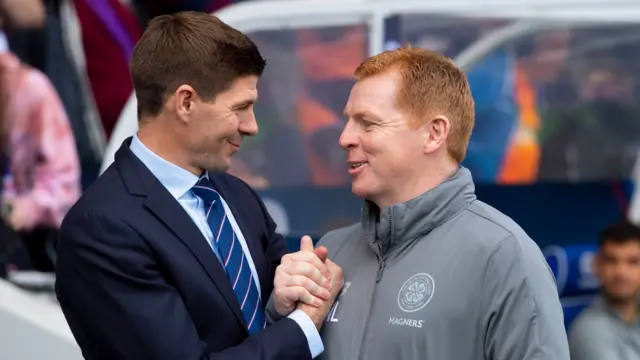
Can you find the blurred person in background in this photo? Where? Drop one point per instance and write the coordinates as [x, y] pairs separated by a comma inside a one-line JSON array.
[[595, 137], [56, 49], [22, 13], [610, 328], [39, 162], [109, 30]]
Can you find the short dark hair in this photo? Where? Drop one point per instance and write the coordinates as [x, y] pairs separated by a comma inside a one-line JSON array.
[[620, 232], [191, 48]]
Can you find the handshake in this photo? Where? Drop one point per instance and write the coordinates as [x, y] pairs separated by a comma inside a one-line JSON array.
[[308, 281]]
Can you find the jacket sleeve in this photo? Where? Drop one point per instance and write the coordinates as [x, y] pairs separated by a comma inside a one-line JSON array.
[[521, 313], [270, 311], [118, 305]]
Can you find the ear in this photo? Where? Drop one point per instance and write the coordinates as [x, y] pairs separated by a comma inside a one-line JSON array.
[[185, 100], [436, 131]]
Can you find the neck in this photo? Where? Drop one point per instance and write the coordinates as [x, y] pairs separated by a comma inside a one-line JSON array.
[[628, 309], [164, 142], [432, 176]]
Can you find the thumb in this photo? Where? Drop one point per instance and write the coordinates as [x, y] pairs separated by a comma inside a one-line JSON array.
[[322, 253], [306, 244]]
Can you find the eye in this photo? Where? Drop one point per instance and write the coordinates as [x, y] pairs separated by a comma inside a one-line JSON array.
[[368, 125], [244, 107]]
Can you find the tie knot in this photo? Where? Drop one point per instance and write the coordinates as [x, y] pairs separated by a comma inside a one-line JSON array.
[[204, 190]]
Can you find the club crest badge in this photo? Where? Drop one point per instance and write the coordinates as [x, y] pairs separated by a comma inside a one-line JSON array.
[[416, 292]]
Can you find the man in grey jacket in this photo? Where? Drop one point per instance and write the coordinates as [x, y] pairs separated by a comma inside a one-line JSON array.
[[430, 272], [610, 328]]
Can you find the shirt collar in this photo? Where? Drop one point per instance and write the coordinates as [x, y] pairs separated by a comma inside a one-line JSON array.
[[4, 44], [177, 180]]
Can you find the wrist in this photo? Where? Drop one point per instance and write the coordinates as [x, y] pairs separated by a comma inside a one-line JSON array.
[[312, 313], [285, 311]]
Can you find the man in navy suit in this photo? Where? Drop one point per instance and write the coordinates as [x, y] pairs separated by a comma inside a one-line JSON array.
[[167, 257]]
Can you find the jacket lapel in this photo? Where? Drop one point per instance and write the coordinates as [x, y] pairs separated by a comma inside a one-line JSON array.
[[169, 211]]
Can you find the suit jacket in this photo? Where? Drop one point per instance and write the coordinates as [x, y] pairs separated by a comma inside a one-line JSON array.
[[137, 280]]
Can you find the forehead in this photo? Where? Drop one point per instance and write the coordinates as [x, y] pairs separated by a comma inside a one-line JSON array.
[[630, 247], [375, 94], [241, 89]]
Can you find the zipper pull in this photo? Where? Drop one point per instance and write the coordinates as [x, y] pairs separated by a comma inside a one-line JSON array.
[[380, 270]]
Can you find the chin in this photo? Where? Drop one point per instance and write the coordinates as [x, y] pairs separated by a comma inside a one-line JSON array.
[[621, 296], [362, 191], [219, 167]]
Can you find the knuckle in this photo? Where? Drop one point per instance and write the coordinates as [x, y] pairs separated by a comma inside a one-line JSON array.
[[297, 280], [300, 292], [279, 293], [310, 285], [303, 268], [318, 280], [299, 255], [320, 266], [305, 282]]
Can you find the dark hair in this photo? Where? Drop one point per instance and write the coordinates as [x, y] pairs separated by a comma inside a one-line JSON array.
[[620, 232], [189, 48]]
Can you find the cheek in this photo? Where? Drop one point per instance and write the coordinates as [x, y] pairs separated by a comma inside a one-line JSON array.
[[392, 150], [218, 129], [229, 126], [388, 161]]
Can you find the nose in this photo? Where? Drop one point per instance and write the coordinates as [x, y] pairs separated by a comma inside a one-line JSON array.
[[248, 126], [348, 138]]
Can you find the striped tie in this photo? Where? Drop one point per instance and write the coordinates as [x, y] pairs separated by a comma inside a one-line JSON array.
[[232, 256]]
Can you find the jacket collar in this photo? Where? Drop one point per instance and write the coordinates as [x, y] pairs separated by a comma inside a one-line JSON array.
[[601, 304], [411, 220]]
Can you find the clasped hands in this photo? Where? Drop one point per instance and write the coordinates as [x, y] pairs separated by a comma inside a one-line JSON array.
[[307, 280]]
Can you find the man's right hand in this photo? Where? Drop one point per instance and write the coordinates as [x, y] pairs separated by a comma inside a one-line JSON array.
[[319, 314]]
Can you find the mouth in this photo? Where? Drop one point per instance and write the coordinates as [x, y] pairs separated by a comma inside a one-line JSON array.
[[237, 146], [355, 167]]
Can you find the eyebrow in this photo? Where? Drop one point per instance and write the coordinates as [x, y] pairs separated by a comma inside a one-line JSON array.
[[244, 103], [363, 114]]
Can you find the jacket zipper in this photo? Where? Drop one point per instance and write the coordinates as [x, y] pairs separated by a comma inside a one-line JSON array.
[[381, 266]]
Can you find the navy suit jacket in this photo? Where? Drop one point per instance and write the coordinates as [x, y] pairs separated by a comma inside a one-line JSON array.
[[136, 279]]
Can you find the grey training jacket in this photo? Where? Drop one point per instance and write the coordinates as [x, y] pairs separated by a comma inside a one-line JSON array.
[[442, 277]]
